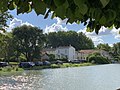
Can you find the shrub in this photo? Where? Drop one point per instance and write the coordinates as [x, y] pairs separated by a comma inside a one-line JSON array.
[[22, 58], [55, 66], [98, 59], [9, 69], [1, 59]]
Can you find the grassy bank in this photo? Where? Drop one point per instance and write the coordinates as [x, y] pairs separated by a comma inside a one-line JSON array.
[[9, 69], [15, 68], [64, 65]]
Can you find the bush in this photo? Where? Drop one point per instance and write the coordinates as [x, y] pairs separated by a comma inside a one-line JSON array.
[[13, 59], [55, 66], [22, 58], [1, 59], [9, 69], [98, 59]]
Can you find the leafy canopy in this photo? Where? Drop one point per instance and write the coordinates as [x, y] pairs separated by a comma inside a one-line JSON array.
[[93, 13], [4, 17], [28, 41], [61, 38]]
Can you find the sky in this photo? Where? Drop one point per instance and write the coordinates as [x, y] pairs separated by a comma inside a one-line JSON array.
[[53, 25]]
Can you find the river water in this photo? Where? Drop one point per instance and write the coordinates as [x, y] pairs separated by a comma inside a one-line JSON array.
[[99, 77]]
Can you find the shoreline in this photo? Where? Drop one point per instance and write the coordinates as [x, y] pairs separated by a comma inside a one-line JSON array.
[[9, 70], [53, 66], [16, 69]]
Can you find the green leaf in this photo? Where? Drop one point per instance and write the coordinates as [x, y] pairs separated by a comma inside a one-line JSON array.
[[111, 27], [78, 13], [104, 2], [11, 6], [91, 12], [89, 30], [102, 20], [39, 7], [61, 11], [66, 4], [29, 8], [97, 28], [79, 2], [71, 20], [16, 1], [110, 15], [53, 15], [97, 14], [3, 5], [78, 22], [59, 2], [24, 7], [69, 13], [83, 9]]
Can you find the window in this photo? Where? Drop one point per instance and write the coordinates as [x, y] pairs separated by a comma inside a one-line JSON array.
[[65, 51], [59, 56], [58, 51]]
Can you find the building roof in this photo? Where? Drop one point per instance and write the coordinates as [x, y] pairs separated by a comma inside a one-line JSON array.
[[49, 49], [62, 47], [87, 51], [45, 57]]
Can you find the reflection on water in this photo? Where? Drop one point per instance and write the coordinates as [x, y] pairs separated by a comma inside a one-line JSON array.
[[103, 77], [26, 81]]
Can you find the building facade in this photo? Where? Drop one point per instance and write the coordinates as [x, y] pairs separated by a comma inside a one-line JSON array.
[[64, 52], [83, 54]]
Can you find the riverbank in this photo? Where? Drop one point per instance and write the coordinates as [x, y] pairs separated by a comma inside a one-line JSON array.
[[64, 65], [15, 68], [10, 69]]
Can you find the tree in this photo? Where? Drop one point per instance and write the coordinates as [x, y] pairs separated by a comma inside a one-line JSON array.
[[116, 49], [93, 13], [6, 46], [29, 41], [4, 17], [105, 47], [61, 38]]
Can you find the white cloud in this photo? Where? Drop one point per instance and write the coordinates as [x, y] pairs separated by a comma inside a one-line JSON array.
[[111, 45], [28, 24], [56, 26], [60, 21], [103, 33], [115, 33], [16, 23]]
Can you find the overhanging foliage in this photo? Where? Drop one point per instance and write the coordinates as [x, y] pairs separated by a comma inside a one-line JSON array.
[[93, 13]]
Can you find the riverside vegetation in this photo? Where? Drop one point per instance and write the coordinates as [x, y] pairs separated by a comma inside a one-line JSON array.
[[15, 68]]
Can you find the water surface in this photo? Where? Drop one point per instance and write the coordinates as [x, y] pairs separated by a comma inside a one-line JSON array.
[[100, 77]]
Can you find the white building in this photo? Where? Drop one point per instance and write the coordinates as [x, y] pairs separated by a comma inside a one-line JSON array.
[[67, 52], [83, 54], [105, 54], [63, 52]]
